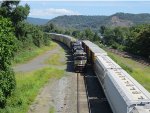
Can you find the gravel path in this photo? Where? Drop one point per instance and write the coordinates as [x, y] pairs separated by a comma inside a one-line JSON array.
[[57, 94], [37, 62]]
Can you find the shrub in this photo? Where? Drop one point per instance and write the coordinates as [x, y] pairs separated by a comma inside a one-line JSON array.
[[7, 49]]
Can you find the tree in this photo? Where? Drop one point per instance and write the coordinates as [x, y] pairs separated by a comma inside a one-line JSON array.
[[7, 49], [102, 29], [139, 40], [89, 34], [38, 37], [7, 7], [20, 13], [96, 37], [12, 10]]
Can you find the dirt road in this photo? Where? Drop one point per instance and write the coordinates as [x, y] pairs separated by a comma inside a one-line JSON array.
[[37, 62]]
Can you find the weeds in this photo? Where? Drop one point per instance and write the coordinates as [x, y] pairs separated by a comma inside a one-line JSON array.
[[28, 85]]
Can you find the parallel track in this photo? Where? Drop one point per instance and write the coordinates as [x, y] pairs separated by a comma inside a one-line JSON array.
[[96, 101], [82, 101]]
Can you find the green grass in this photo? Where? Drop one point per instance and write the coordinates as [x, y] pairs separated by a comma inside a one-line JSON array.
[[52, 110], [55, 60], [137, 70], [28, 54], [28, 86]]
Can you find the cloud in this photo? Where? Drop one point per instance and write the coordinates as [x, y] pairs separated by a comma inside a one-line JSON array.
[[51, 12]]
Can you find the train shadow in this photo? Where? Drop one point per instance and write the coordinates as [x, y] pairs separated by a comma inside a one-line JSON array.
[[68, 55], [97, 101]]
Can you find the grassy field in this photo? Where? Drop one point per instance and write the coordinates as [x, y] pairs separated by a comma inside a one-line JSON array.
[[31, 53], [28, 86], [138, 71]]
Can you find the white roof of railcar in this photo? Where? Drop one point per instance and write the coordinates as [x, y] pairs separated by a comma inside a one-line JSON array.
[[107, 62], [94, 48], [98, 50], [131, 91], [89, 43]]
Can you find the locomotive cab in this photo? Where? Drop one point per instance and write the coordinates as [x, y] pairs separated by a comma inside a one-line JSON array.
[[80, 60]]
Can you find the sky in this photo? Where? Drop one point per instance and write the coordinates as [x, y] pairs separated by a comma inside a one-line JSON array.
[[51, 9]]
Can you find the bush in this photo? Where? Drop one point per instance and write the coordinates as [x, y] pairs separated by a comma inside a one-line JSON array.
[[7, 49], [7, 82], [2, 99], [46, 39]]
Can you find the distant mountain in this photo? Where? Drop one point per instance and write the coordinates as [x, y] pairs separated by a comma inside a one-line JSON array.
[[78, 21], [37, 21], [94, 22]]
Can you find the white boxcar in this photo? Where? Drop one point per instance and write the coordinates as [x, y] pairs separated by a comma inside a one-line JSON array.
[[125, 95], [101, 64], [92, 50], [98, 51], [89, 43]]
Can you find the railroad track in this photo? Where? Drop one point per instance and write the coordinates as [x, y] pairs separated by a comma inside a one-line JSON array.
[[82, 101], [90, 100]]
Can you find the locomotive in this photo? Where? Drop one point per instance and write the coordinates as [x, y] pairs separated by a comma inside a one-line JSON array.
[[79, 57]]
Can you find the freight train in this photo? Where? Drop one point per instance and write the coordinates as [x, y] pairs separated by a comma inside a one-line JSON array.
[[79, 55], [124, 93]]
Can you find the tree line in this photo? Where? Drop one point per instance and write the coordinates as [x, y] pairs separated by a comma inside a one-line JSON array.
[[135, 39], [15, 35], [86, 34]]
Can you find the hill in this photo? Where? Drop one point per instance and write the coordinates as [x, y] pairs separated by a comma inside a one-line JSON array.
[[37, 21], [94, 22]]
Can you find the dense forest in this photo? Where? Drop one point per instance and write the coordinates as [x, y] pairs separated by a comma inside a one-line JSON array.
[[94, 22], [16, 35]]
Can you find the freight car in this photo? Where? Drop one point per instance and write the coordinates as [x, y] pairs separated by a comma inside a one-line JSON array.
[[124, 94], [67, 40], [92, 51]]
